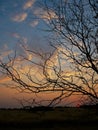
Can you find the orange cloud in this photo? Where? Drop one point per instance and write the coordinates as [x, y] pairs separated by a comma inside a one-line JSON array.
[[23, 68], [28, 4], [44, 14], [20, 17]]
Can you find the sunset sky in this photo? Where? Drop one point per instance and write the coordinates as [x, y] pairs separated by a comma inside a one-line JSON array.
[[25, 24], [20, 20]]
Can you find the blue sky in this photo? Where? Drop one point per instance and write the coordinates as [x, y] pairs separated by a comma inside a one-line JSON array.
[[20, 19]]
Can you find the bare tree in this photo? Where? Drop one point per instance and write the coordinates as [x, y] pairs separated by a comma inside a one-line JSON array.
[[72, 67], [75, 27]]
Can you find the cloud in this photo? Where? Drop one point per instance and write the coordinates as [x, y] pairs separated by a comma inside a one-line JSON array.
[[34, 23], [28, 4], [16, 35], [49, 16], [25, 40], [20, 17], [39, 12], [5, 52]]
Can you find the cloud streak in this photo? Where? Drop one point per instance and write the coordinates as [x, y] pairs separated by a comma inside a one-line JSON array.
[[34, 23], [5, 52], [28, 4], [46, 16], [20, 17]]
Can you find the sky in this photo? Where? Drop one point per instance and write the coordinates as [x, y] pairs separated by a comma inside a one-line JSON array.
[[21, 22]]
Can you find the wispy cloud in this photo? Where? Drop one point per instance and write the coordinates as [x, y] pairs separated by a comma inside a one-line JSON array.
[[39, 12], [28, 4], [20, 17], [5, 52], [16, 35], [34, 23], [24, 39]]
